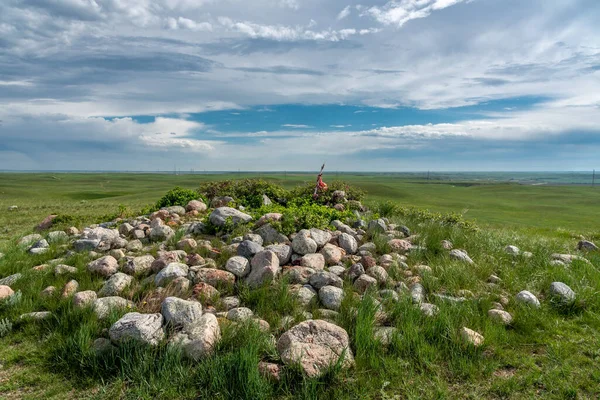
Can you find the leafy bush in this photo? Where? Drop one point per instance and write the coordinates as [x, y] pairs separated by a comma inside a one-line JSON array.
[[306, 216], [304, 193], [177, 197], [247, 192]]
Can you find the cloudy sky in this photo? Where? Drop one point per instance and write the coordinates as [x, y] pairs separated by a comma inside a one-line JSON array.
[[366, 85]]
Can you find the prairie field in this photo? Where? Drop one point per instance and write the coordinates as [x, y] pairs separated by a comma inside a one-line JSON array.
[[550, 351]]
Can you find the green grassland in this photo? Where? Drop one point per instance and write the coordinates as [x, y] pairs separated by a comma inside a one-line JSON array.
[[551, 352], [548, 210]]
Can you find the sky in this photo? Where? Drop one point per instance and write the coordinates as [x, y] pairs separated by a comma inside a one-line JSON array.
[[365, 85]]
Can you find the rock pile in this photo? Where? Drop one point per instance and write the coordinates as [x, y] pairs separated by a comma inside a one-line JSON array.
[[321, 266]]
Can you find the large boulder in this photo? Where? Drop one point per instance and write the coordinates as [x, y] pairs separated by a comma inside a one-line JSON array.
[[315, 261], [220, 215], [138, 265], [303, 243], [586, 245], [101, 234], [348, 243], [143, 328], [195, 205], [214, 277], [271, 235], [248, 248], [324, 278], [527, 298], [238, 265], [161, 233], [460, 255], [331, 297], [265, 267], [103, 306], [320, 236], [561, 293], [180, 313], [283, 251], [333, 254], [115, 285], [315, 345], [170, 272], [199, 337], [104, 266]]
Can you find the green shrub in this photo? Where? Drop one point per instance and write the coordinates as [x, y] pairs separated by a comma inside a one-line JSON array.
[[306, 216], [247, 192], [177, 197]]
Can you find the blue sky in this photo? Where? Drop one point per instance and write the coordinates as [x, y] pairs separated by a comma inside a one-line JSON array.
[[390, 85]]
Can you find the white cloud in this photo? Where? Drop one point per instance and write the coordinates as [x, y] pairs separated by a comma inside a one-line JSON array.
[[296, 126], [400, 12], [344, 13], [185, 23]]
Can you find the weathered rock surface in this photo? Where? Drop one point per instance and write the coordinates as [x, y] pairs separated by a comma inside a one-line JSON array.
[[220, 216], [198, 338], [315, 345], [265, 268], [143, 328], [180, 313]]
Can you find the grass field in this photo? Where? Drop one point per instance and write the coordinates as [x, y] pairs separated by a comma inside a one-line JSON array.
[[548, 210], [550, 352]]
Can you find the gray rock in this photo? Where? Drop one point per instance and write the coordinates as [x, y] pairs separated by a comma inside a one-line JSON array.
[[512, 250], [220, 215], [569, 258], [586, 245], [364, 282], [377, 225], [389, 294], [11, 279], [340, 226], [348, 243], [104, 266], [333, 254], [384, 334], [102, 346], [230, 302], [30, 239], [37, 250], [143, 328], [562, 293], [355, 271], [62, 269], [101, 234], [170, 272], [240, 314], [270, 235], [138, 265], [303, 243], [500, 316], [199, 338], [180, 313], [460, 255], [526, 297], [417, 293], [179, 210], [248, 249], [299, 274], [196, 205], [315, 261], [304, 294], [331, 297], [238, 265], [315, 345], [428, 309], [265, 268], [320, 236], [337, 270], [135, 245], [85, 244], [161, 233], [253, 237], [35, 316], [57, 236], [283, 251], [325, 278], [103, 306], [378, 273], [115, 285], [84, 299]]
